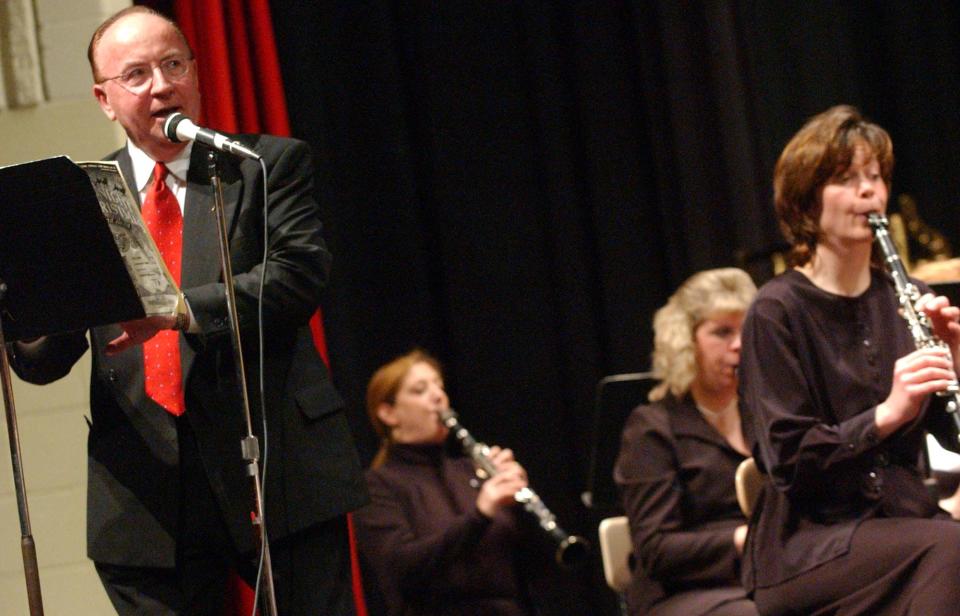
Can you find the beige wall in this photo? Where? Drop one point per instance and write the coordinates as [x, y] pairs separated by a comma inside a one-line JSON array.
[[51, 425]]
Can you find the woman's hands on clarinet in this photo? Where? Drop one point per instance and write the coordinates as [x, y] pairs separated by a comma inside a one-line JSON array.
[[499, 490], [924, 371], [944, 321]]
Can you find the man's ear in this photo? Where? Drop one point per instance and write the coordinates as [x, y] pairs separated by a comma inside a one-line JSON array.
[[101, 95], [387, 414]]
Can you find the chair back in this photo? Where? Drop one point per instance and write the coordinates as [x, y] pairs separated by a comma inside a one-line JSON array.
[[748, 482], [615, 550]]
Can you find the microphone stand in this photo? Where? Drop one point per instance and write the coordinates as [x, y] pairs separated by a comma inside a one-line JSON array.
[[27, 547], [249, 445]]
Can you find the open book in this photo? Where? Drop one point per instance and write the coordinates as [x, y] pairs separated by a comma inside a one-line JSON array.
[[74, 250], [148, 272]]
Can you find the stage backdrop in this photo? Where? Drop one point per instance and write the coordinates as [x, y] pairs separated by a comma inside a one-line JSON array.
[[517, 186]]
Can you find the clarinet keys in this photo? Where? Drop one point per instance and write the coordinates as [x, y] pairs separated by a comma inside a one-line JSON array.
[[571, 549]]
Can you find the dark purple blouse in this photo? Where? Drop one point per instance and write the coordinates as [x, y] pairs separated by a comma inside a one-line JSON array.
[[813, 368], [676, 477], [432, 551]]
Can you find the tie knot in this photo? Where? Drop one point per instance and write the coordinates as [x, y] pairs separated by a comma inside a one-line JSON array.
[[159, 172]]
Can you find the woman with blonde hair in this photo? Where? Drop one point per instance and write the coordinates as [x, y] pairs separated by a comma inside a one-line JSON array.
[[679, 454], [439, 541]]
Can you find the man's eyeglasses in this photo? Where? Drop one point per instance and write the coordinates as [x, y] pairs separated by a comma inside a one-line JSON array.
[[137, 79]]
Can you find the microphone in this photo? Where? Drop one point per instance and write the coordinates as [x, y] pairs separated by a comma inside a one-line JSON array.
[[178, 128]]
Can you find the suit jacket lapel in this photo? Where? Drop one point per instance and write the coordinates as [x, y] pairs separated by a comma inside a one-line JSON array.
[[200, 263], [201, 247], [126, 169]]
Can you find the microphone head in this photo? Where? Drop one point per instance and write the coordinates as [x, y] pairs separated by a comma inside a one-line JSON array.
[[170, 126]]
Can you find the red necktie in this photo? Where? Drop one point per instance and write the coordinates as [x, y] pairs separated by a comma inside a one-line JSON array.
[[163, 377]]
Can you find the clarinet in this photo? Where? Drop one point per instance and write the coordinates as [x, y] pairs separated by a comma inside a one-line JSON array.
[[571, 549], [917, 321]]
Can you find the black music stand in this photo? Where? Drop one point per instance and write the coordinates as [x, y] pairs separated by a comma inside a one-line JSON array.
[[617, 395], [57, 254], [60, 271]]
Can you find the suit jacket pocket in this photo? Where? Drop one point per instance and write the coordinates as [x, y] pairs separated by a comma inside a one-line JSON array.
[[318, 400]]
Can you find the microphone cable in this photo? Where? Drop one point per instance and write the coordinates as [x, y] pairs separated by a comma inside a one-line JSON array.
[[261, 379]]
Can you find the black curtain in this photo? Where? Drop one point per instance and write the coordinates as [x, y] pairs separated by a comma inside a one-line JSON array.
[[517, 186]]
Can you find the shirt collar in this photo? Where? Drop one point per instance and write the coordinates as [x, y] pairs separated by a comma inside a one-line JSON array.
[[143, 165]]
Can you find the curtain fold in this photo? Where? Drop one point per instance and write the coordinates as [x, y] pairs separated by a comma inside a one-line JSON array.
[[239, 71]]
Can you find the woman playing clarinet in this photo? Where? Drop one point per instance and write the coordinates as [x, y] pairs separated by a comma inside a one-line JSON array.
[[839, 396], [439, 541]]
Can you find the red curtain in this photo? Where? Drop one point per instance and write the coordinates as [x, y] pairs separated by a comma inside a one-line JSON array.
[[242, 92], [239, 70]]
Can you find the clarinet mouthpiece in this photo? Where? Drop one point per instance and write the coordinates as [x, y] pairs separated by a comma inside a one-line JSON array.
[[877, 220], [448, 417]]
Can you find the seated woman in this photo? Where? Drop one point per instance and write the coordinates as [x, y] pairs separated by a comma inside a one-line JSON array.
[[839, 397], [679, 455], [439, 541]]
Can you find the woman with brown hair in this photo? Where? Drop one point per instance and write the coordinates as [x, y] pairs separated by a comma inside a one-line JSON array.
[[679, 454], [439, 541], [840, 398]]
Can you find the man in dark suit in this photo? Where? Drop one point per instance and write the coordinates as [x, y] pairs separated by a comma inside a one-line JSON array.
[[169, 500]]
